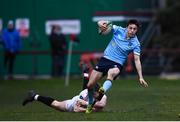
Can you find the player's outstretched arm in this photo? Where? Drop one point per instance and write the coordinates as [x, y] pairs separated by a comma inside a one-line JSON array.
[[100, 104], [139, 70]]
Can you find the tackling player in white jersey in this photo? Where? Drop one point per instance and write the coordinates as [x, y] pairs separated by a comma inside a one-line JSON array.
[[77, 104]]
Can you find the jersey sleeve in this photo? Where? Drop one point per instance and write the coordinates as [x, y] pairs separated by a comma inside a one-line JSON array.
[[137, 50], [115, 28]]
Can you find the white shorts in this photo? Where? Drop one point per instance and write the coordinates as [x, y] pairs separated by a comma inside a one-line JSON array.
[[70, 103]]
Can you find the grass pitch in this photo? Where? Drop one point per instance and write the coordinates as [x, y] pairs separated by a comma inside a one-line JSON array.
[[127, 100]]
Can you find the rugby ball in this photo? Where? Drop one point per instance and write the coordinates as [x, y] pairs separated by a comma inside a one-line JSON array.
[[108, 29]]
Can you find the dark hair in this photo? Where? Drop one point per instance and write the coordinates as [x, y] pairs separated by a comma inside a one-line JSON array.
[[134, 21]]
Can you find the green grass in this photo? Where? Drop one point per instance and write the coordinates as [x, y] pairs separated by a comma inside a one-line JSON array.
[[127, 100]]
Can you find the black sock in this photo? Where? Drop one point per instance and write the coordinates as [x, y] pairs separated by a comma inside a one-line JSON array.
[[45, 100]]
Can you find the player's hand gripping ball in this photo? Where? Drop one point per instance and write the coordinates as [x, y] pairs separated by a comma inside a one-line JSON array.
[[104, 27]]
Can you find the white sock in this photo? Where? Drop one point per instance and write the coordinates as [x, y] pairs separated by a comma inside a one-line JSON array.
[[36, 97]]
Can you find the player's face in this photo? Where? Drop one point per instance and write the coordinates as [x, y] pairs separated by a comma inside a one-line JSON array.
[[131, 30]]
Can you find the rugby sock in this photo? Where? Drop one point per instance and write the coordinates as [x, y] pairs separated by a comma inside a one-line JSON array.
[[36, 97], [107, 85], [45, 100], [90, 96]]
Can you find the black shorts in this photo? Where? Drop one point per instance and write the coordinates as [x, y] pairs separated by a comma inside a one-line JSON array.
[[105, 64]]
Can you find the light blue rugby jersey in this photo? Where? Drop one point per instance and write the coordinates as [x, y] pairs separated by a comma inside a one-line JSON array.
[[119, 47]]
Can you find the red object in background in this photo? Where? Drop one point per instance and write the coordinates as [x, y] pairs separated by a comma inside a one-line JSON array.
[[73, 38], [90, 59]]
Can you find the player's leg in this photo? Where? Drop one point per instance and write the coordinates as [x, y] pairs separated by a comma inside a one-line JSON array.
[[100, 69], [112, 73], [32, 96], [95, 76]]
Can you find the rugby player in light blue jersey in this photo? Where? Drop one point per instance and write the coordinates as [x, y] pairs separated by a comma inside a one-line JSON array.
[[123, 42]]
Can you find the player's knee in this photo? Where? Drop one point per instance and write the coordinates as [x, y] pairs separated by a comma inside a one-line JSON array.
[[113, 73]]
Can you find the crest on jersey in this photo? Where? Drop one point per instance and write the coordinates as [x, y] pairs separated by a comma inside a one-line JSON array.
[[130, 44]]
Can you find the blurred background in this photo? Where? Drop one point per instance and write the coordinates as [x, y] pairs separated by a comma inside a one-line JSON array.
[[74, 22]]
